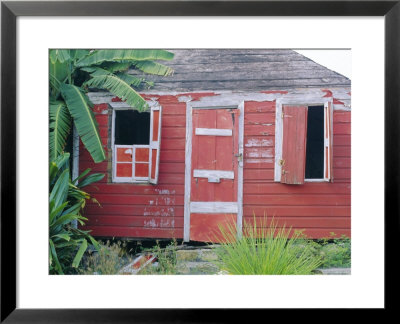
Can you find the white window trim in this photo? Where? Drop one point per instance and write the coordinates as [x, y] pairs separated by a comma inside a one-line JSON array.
[[298, 101], [118, 106]]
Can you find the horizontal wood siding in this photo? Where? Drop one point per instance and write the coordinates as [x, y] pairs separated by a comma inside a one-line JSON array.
[[318, 208], [157, 211], [140, 210]]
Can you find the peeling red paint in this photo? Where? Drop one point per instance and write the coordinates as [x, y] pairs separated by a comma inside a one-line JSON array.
[[157, 211], [337, 102], [100, 108], [116, 99], [197, 96]]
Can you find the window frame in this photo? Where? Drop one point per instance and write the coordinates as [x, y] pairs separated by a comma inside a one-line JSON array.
[[138, 180], [309, 102]]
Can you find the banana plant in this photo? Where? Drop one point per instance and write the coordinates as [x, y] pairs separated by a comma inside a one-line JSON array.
[[67, 244], [73, 72]]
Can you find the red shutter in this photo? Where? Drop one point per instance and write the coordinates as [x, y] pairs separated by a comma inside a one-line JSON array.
[[155, 141], [294, 144]]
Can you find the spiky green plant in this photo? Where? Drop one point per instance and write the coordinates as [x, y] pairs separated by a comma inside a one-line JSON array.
[[67, 244], [73, 71], [264, 249]]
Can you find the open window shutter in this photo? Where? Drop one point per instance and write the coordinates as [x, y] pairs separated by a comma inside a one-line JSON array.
[[155, 141], [328, 136], [294, 144]]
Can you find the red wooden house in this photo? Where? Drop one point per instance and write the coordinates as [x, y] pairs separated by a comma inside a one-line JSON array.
[[233, 133]]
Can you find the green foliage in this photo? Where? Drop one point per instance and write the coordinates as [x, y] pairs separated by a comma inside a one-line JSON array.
[[98, 57], [67, 244], [60, 125], [335, 252], [108, 260], [264, 249], [84, 120], [166, 259], [72, 72]]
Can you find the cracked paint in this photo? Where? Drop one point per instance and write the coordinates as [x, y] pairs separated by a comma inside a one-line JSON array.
[[258, 153], [255, 142]]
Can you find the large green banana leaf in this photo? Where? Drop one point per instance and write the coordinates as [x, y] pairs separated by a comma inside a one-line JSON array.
[[99, 56], [151, 67], [118, 87], [60, 125], [60, 55], [84, 120]]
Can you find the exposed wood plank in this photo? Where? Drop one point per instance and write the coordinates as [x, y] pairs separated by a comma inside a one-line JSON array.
[[213, 174], [188, 170], [250, 85], [213, 207], [213, 131], [240, 66], [248, 74]]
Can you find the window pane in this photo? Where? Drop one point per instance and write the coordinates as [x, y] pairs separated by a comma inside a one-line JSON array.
[[315, 143], [132, 127]]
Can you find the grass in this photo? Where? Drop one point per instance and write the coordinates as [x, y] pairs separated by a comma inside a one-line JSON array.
[[166, 259], [110, 258], [334, 252], [264, 250]]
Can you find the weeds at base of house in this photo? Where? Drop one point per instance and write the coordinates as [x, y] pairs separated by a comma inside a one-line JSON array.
[[334, 252], [110, 258], [166, 259]]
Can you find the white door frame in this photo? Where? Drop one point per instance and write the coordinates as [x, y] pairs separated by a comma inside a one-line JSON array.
[[211, 104]]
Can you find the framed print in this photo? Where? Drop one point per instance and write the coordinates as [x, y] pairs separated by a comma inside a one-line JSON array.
[[370, 29]]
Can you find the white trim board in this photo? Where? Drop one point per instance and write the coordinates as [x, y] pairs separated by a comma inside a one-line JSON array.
[[213, 174], [213, 207], [213, 131]]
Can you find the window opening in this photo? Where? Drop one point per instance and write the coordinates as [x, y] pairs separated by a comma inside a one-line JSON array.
[[315, 143], [132, 127]]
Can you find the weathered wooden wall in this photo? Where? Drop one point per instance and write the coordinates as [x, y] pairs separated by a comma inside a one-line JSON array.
[[320, 208], [141, 210], [156, 211]]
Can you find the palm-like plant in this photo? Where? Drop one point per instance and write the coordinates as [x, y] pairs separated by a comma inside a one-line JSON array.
[[67, 244], [72, 72]]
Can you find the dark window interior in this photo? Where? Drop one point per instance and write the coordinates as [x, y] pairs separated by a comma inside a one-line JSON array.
[[315, 143], [132, 127]]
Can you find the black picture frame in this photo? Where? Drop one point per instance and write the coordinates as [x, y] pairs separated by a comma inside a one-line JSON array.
[[10, 10]]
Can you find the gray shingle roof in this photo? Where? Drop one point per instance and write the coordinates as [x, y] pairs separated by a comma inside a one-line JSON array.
[[244, 70]]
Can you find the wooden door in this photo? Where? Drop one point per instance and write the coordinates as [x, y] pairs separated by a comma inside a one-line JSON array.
[[214, 172]]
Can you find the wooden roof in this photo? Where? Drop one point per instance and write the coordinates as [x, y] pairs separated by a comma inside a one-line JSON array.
[[244, 69]]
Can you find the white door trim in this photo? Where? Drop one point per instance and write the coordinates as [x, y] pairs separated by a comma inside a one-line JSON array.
[[188, 163]]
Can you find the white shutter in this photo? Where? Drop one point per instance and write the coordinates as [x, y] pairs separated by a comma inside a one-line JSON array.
[[328, 139], [155, 141]]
